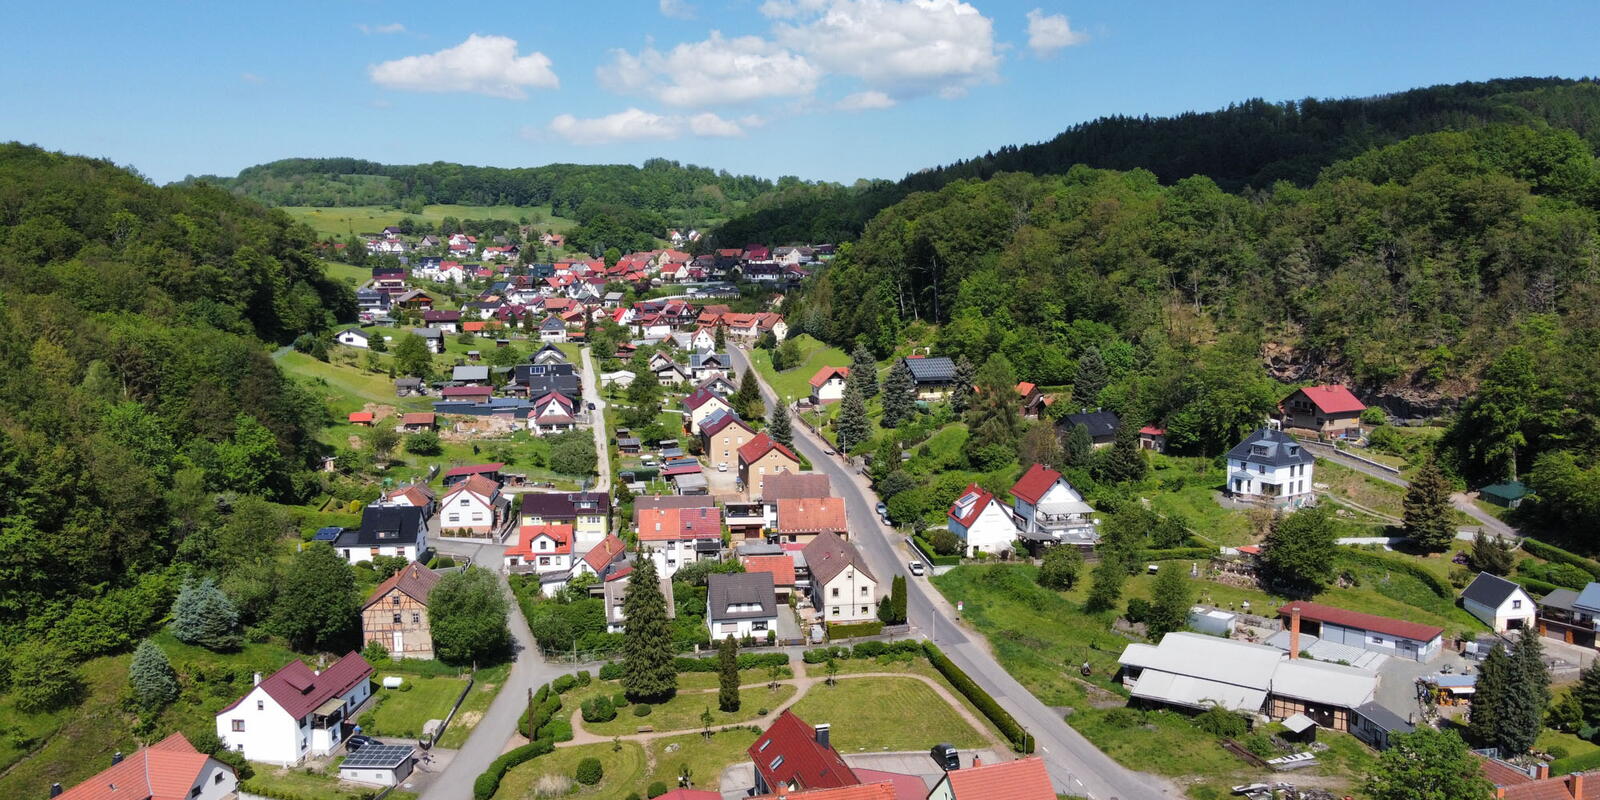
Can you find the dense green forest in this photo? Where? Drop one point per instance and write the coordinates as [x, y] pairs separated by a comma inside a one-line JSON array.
[[145, 432], [659, 185], [1252, 144]]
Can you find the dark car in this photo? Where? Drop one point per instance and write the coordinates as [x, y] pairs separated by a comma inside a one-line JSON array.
[[358, 741], [946, 757]]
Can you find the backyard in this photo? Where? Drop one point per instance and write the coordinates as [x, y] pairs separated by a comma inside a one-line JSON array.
[[551, 775], [879, 713], [795, 382], [403, 712]]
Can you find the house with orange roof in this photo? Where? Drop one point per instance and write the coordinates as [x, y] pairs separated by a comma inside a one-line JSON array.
[[542, 549], [296, 712], [361, 418], [1331, 411], [419, 421], [603, 558], [981, 522], [782, 569], [418, 495], [679, 536], [763, 456], [1033, 400], [475, 506], [396, 613], [1023, 779], [828, 384], [802, 519], [171, 769]]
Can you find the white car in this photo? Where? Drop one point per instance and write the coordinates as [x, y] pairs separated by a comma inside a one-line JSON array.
[[723, 467], [916, 567]]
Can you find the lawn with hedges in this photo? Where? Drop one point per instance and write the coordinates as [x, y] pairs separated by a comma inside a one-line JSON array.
[[682, 712], [624, 772], [403, 712], [885, 714]]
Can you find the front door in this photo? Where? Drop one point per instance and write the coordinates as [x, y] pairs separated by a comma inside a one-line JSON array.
[[398, 647]]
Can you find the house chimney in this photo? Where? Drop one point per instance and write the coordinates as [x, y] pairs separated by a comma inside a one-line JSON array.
[[1294, 632], [1575, 783], [55, 790], [822, 734], [257, 679], [1541, 771], [977, 761], [116, 758]]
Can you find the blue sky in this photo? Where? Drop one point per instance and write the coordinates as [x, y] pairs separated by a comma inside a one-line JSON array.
[[822, 89]]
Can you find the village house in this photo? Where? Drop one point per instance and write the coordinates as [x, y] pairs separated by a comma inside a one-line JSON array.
[[1330, 411], [982, 523], [1102, 426], [1033, 401], [781, 567], [1573, 617], [396, 613], [704, 366], [549, 354], [1153, 439], [934, 376], [1309, 626], [589, 514], [721, 436], [603, 559], [1022, 779], [717, 384], [418, 421], [171, 769], [615, 590], [1500, 604], [803, 519], [552, 329], [455, 475], [553, 413], [543, 549], [792, 756], [679, 536], [432, 337], [1271, 467], [828, 384], [762, 457], [740, 604], [418, 495], [353, 337], [447, 321], [296, 712], [474, 506], [791, 485], [700, 405], [469, 375], [470, 394], [385, 531], [1049, 511], [843, 589]]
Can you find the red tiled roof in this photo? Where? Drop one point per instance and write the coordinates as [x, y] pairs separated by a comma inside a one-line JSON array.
[[1151, 430], [561, 533], [1023, 779], [163, 771], [1034, 483], [361, 416], [781, 567], [824, 374], [668, 524], [478, 484], [690, 794], [1333, 399], [468, 391], [881, 790], [1501, 774], [983, 499], [418, 418], [1317, 612], [681, 469], [763, 443], [415, 580], [1025, 388], [608, 550], [905, 786], [811, 515], [299, 691], [805, 762], [473, 469]]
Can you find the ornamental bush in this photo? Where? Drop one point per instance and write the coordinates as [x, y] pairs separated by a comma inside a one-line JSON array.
[[589, 772]]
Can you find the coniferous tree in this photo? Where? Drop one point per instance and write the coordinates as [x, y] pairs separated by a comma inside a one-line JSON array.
[[864, 371], [1428, 510], [1587, 693], [1491, 554], [1522, 716], [1489, 695], [961, 394], [202, 615], [720, 339], [746, 401], [780, 426], [899, 396], [1091, 379], [991, 417], [728, 674], [852, 427], [899, 600], [151, 677], [1077, 447], [647, 654]]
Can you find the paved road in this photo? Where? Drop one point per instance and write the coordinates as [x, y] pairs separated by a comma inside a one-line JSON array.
[[1461, 500], [499, 723], [1075, 765], [591, 395]]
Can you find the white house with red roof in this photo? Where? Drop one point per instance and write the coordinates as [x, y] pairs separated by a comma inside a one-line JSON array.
[[791, 756], [297, 711], [701, 404], [475, 505], [1330, 411], [678, 536], [552, 413], [604, 558], [828, 384], [541, 548], [1023, 779], [982, 523], [171, 769], [1049, 511]]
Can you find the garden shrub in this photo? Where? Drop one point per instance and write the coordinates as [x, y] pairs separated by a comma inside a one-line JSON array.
[[656, 789], [589, 772], [642, 709], [1220, 722]]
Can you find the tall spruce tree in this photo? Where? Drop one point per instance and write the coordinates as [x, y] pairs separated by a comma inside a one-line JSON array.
[[151, 677], [780, 426], [1091, 379], [1489, 695], [1491, 554], [719, 341], [728, 674], [899, 396], [1171, 596], [202, 615], [961, 394], [647, 654], [898, 600], [992, 417], [1428, 511], [1077, 447], [864, 371], [747, 400], [1523, 714], [852, 427], [1587, 693]]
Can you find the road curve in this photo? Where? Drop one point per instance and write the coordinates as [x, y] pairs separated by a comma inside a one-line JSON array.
[[1076, 766]]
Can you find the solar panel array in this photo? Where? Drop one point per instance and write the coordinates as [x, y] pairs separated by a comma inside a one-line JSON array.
[[378, 756]]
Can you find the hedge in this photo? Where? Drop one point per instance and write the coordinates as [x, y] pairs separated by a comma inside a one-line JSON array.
[[1430, 580], [1021, 741], [1534, 585], [1579, 763], [1177, 553], [936, 559], [746, 661], [1550, 552], [863, 650], [284, 794], [545, 705], [488, 783], [846, 630]]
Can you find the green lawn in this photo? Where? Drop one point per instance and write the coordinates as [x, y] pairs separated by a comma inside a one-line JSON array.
[[710, 680], [1162, 742], [403, 713], [350, 386], [624, 773], [302, 783], [885, 714], [795, 382], [348, 273], [706, 758], [344, 221], [488, 684], [682, 712], [1187, 487]]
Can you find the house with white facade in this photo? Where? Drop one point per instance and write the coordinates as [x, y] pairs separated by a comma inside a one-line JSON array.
[[827, 386], [552, 413], [678, 536], [700, 405], [1273, 468], [615, 591], [1501, 604], [296, 712], [1049, 511], [741, 604], [353, 337], [542, 549], [843, 589], [386, 530], [171, 769], [475, 505], [982, 523]]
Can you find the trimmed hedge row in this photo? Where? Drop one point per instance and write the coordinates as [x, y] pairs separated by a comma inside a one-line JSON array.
[[1430, 580], [846, 630], [1177, 553], [1534, 585], [613, 670], [1021, 741], [284, 794], [820, 655], [546, 703], [935, 558], [488, 783], [1579, 763], [1550, 552]]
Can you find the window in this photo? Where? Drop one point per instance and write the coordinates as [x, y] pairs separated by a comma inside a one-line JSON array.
[[195, 792], [397, 619], [776, 762], [416, 617], [1516, 604], [463, 502], [261, 705], [396, 600], [864, 591], [863, 609], [455, 517], [835, 591], [835, 611], [238, 726], [217, 778]]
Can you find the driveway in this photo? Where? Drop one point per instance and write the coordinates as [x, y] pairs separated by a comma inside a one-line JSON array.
[[591, 396], [1461, 500]]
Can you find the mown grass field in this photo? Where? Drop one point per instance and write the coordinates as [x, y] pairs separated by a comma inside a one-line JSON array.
[[404, 713], [624, 773], [344, 221], [682, 712], [885, 714], [489, 681], [795, 383]]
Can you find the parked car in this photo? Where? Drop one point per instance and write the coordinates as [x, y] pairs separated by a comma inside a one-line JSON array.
[[358, 741], [722, 467], [946, 757], [883, 509], [830, 452], [591, 406], [916, 567]]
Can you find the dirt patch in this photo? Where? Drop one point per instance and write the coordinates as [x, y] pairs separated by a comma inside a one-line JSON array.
[[355, 442], [463, 429], [379, 412]]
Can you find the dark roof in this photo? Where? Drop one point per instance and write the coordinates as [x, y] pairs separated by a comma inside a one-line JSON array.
[[560, 505], [720, 419], [1510, 490], [1383, 718], [1280, 449], [299, 690], [935, 369], [378, 756], [1564, 599], [827, 555], [723, 590], [786, 485], [1490, 590], [1101, 424], [788, 752], [385, 526], [327, 534]]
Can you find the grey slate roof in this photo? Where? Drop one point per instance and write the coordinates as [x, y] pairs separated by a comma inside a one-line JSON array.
[[828, 555], [935, 369], [476, 374], [385, 526], [1560, 598], [1101, 424], [738, 589], [1383, 718], [1280, 449], [1490, 590], [1589, 598]]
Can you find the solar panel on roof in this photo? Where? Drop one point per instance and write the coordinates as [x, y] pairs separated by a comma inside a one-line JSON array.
[[378, 755]]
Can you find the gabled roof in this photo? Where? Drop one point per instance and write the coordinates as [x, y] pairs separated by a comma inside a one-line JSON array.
[[762, 444], [608, 550], [828, 555], [414, 580], [1332, 399], [789, 753], [473, 469], [700, 397], [1100, 423], [877, 790], [385, 526], [670, 524], [720, 419], [1490, 590], [1279, 449], [467, 391], [1023, 779], [565, 505], [811, 514], [361, 416], [781, 567], [724, 590], [795, 484], [560, 533], [299, 690], [479, 484], [966, 509], [163, 771], [1318, 612], [931, 369], [418, 418], [827, 373], [1034, 483]]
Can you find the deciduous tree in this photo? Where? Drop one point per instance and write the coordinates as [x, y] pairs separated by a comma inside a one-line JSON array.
[[467, 613], [1060, 568], [318, 606], [1300, 551], [1427, 764], [1105, 588], [1171, 596]]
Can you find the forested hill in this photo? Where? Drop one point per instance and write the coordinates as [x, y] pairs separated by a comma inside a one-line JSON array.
[[141, 416], [1251, 144], [659, 185]]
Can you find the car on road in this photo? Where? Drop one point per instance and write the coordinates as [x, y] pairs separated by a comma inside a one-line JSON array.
[[916, 567], [591, 406], [830, 452], [358, 741], [883, 509]]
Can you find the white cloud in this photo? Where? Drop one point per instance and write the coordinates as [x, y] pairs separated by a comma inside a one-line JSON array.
[[901, 48], [677, 9], [482, 65], [865, 101], [1049, 33], [393, 27], [251, 77], [635, 125], [711, 72]]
